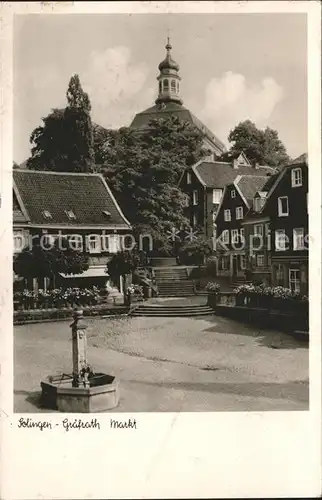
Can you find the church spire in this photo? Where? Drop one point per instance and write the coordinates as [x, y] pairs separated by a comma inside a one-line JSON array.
[[168, 79]]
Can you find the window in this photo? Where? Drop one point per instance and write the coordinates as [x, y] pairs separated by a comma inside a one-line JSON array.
[[93, 243], [225, 236], [294, 280], [70, 214], [239, 212], [113, 245], [46, 214], [234, 235], [227, 215], [48, 240], [296, 177], [258, 204], [242, 235], [298, 239], [173, 85], [188, 178], [18, 241], [242, 262], [76, 242], [216, 195], [195, 197], [233, 193], [160, 87], [280, 240], [194, 222], [282, 206], [165, 84], [258, 229], [260, 260]]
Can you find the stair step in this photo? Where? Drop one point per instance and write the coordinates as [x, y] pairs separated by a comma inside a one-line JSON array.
[[172, 308]]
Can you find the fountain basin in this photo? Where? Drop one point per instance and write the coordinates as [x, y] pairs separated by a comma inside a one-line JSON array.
[[57, 393]]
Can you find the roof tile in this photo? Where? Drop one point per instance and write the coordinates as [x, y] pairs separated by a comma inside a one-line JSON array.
[[85, 194]]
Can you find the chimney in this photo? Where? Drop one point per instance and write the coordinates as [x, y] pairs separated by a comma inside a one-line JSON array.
[[235, 163]]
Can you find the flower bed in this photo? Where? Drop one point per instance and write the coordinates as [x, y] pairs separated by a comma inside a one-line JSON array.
[[278, 298], [57, 298]]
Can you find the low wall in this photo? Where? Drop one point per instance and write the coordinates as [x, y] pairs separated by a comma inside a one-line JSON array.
[[47, 315], [225, 304]]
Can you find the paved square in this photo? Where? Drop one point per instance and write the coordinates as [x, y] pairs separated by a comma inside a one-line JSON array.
[[172, 364]]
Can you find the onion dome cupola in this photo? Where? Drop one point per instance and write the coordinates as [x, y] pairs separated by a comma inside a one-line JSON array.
[[169, 79]]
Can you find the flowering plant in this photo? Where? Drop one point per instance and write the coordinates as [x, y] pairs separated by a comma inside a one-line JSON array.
[[213, 287], [135, 290]]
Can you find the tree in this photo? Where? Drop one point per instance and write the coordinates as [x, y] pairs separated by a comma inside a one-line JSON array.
[[196, 251], [122, 264], [64, 143], [143, 169], [260, 146], [40, 262]]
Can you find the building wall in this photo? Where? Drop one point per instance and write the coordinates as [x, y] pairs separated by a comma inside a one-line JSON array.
[[290, 259], [195, 213], [236, 252], [257, 250]]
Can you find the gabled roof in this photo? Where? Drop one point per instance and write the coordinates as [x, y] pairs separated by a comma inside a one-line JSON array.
[[165, 110], [248, 185], [216, 174], [301, 160], [86, 195]]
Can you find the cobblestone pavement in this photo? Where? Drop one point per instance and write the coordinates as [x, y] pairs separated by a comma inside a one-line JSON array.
[[172, 364]]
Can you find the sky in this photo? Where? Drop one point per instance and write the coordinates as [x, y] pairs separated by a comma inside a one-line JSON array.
[[233, 67]]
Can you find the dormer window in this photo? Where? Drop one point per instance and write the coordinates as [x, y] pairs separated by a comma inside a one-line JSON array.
[[258, 203], [46, 214], [70, 214]]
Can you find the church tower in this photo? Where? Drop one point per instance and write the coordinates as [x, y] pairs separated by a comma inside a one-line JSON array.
[[169, 79], [169, 103]]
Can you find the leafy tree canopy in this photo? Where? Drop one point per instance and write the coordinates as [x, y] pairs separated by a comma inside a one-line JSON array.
[[123, 263], [40, 262], [260, 146], [65, 143], [143, 169]]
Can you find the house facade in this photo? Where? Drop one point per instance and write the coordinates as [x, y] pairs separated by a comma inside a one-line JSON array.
[[236, 202], [256, 229], [287, 208], [204, 185], [80, 207]]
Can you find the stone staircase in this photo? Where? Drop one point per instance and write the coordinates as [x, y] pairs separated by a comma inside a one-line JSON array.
[[168, 311], [173, 282]]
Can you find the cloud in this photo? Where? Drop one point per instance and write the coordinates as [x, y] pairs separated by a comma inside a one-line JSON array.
[[231, 99], [117, 87]]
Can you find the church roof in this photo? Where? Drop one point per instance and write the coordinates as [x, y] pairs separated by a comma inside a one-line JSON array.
[[141, 120], [47, 198]]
